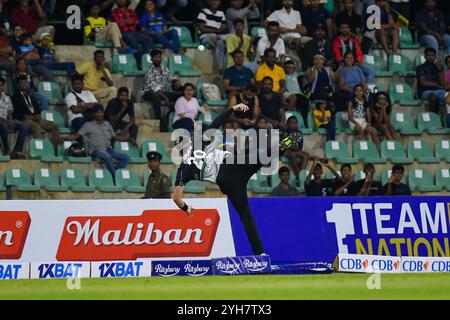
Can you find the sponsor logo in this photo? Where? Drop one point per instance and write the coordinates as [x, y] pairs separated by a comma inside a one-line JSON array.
[[182, 268], [155, 233], [120, 269], [10, 271], [413, 265], [369, 263], [196, 270], [228, 267], [167, 271], [440, 266], [59, 270], [14, 227], [255, 266]]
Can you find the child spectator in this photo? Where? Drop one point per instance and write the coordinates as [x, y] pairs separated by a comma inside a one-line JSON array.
[[48, 55], [284, 189], [238, 41], [28, 51], [359, 116], [344, 186], [315, 186], [381, 116], [323, 119], [154, 25], [237, 12]]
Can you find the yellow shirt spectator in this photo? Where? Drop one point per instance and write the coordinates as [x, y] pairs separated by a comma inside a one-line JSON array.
[[95, 24], [277, 74], [233, 42], [319, 114], [93, 77]]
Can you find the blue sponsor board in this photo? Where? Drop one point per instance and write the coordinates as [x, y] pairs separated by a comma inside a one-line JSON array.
[[120, 269], [60, 270], [242, 265], [195, 268], [317, 229], [13, 271]]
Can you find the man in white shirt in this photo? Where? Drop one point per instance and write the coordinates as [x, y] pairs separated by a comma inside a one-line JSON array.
[[272, 40], [79, 103]]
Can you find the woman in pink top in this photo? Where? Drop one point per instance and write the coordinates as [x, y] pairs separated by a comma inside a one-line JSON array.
[[186, 109], [447, 73]]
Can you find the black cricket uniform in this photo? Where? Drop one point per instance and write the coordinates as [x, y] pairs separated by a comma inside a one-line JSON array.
[[322, 189]]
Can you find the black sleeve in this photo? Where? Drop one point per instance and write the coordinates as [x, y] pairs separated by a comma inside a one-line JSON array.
[[185, 174], [221, 119]]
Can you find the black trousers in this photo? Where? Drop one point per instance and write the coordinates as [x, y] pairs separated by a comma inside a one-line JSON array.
[[232, 180]]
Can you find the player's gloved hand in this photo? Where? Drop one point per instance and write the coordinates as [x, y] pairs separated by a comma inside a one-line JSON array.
[[190, 211]]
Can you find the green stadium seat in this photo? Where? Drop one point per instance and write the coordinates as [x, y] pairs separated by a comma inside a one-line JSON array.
[[404, 123], [367, 152], [262, 184], [20, 179], [51, 91], [75, 181], [420, 59], [107, 44], [421, 151], [2, 183], [129, 180], [146, 62], [193, 187], [102, 180], [185, 37], [43, 149], [403, 94], [442, 150], [401, 65], [443, 178], [155, 145], [301, 122], [5, 158], [406, 40], [63, 151], [338, 150], [386, 174], [329, 175], [207, 117], [223, 102], [276, 181], [342, 123], [311, 124], [431, 123], [48, 180], [181, 65], [126, 64], [170, 121], [131, 150], [54, 116], [258, 32], [422, 180], [376, 63], [253, 182], [393, 151]]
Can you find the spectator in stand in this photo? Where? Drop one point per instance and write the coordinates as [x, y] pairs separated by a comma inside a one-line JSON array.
[[348, 76], [270, 69], [389, 28], [15, 39], [109, 5], [237, 77], [29, 14], [321, 79], [298, 159], [154, 25], [430, 81], [381, 116], [360, 117], [315, 15], [158, 84], [238, 41], [174, 7], [284, 189], [127, 21], [27, 110], [186, 109], [315, 186], [29, 52], [99, 136], [271, 103], [273, 41], [96, 28], [158, 184], [319, 45], [323, 119], [295, 100], [116, 111], [367, 186], [23, 70], [96, 76], [7, 123], [249, 97], [49, 57], [237, 12], [395, 187], [344, 43], [447, 73], [79, 103], [432, 27], [6, 55], [292, 30], [212, 25], [345, 185], [447, 105], [355, 22]]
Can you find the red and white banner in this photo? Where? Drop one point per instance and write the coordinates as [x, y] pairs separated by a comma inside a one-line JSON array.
[[104, 230]]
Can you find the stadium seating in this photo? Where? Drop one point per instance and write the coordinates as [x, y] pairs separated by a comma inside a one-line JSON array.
[[222, 102], [185, 37], [129, 180], [21, 180], [63, 151], [338, 150], [421, 151], [342, 123], [401, 65], [131, 150], [366, 151], [102, 180], [146, 62], [443, 178], [393, 151], [51, 91], [386, 174], [5, 158], [431, 123], [181, 65], [404, 123], [126, 64], [312, 125], [262, 184], [419, 59], [301, 122], [48, 180], [2, 183], [43, 149], [376, 63], [442, 150], [75, 181], [406, 40], [421, 180], [403, 94], [154, 145], [258, 32], [54, 116]]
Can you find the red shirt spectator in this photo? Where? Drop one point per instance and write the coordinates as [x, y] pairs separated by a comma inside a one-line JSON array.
[[27, 16], [125, 18], [344, 42]]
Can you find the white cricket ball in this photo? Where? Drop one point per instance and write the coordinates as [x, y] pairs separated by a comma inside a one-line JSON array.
[[201, 47]]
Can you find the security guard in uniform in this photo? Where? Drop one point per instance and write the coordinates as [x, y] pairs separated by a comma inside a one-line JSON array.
[[158, 186]]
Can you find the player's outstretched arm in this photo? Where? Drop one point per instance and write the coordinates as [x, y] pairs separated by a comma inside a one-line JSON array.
[[177, 197]]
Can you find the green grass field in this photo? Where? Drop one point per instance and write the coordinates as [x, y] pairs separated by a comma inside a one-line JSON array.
[[336, 286]]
